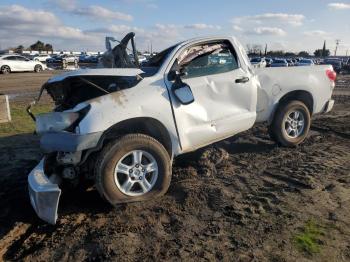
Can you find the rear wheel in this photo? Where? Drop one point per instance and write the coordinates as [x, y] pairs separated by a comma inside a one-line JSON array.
[[38, 68], [5, 70], [136, 167], [291, 124]]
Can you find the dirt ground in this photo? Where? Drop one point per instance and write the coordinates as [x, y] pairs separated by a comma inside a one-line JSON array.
[[243, 199]]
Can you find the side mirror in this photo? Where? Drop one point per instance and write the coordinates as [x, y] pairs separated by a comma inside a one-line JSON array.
[[183, 94]]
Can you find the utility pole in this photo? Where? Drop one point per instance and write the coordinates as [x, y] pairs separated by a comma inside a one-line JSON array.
[[336, 46], [324, 49]]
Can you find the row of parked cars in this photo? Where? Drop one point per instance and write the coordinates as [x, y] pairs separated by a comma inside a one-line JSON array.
[[25, 63], [66, 58], [337, 63]]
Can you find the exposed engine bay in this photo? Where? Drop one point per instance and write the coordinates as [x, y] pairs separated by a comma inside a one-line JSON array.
[[74, 90]]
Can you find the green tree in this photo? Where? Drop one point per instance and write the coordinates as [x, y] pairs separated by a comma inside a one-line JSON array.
[[289, 54], [38, 46], [19, 49], [48, 47], [303, 54], [322, 53], [275, 53]]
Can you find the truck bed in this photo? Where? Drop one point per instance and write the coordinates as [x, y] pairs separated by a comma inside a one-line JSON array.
[[275, 82]]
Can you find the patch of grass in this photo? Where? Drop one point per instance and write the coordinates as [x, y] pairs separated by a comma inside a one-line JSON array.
[[21, 121], [308, 240]]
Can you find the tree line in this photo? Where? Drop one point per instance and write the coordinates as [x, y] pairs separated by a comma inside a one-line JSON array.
[[38, 46]]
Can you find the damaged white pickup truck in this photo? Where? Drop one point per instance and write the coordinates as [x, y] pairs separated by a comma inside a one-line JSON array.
[[121, 127]]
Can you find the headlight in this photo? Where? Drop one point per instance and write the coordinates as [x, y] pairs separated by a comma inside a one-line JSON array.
[[59, 121]]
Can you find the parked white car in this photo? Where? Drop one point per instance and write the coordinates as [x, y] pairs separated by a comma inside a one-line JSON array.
[[70, 59], [41, 57], [122, 127], [17, 63]]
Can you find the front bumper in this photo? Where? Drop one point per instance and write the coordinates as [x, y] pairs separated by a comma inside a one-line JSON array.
[[329, 106], [44, 195]]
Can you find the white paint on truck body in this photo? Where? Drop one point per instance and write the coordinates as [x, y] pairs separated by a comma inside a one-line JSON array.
[[224, 103], [278, 81], [148, 99], [221, 107]]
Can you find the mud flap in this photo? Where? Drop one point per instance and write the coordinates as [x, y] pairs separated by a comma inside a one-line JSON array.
[[44, 195]]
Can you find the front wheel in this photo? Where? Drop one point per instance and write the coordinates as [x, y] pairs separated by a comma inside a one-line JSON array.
[[136, 167], [291, 124]]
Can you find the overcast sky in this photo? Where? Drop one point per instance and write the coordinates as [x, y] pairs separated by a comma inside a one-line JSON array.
[[289, 25]]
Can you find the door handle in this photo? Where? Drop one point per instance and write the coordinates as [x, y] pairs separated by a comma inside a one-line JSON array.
[[242, 80]]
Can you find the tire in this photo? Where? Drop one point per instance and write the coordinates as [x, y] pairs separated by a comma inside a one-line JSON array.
[[38, 68], [5, 69], [288, 128], [112, 187]]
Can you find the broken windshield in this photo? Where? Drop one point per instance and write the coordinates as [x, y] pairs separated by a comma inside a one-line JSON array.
[[152, 66]]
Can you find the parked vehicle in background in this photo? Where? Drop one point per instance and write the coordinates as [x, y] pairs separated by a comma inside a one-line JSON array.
[[335, 62], [317, 61], [63, 59], [347, 66], [83, 58], [279, 63], [94, 59], [305, 62], [268, 61], [16, 63], [122, 127], [41, 57], [290, 62], [53, 59], [142, 59], [258, 62], [70, 59]]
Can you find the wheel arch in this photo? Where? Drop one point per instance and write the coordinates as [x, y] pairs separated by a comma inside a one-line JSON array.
[[143, 125], [300, 95]]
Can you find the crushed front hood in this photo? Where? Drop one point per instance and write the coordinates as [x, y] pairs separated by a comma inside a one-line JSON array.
[[97, 72]]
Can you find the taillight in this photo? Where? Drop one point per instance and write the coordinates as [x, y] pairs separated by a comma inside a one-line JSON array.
[[331, 75]]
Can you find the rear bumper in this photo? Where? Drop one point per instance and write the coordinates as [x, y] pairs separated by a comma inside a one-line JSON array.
[[328, 106], [44, 195]]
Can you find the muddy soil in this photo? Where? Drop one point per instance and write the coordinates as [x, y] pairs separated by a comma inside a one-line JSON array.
[[242, 199]]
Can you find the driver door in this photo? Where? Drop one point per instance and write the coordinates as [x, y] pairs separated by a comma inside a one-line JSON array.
[[224, 97]]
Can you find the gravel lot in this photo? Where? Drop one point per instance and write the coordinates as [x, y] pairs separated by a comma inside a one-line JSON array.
[[242, 199]]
